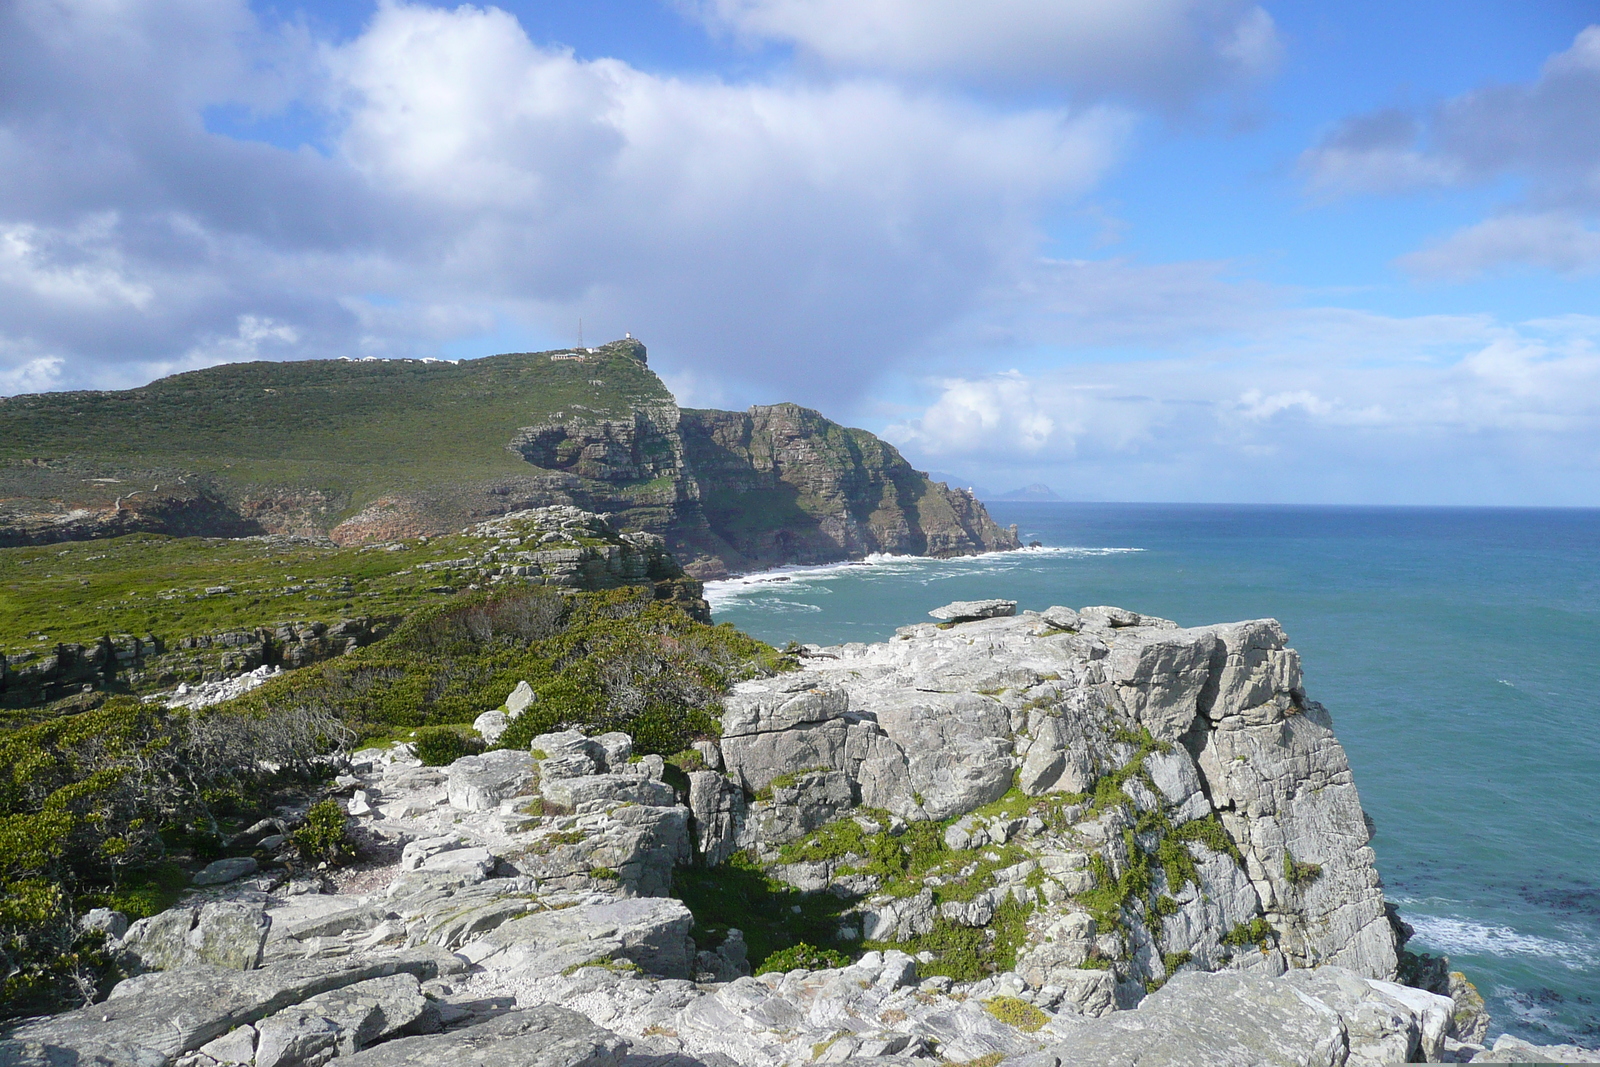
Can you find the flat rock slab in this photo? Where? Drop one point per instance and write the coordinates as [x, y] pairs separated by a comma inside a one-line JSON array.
[[227, 870], [650, 932], [480, 783], [154, 1017], [964, 610], [1225, 1019], [542, 1036]]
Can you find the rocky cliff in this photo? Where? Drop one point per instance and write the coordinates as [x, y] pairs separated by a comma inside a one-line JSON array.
[[369, 451], [1071, 837]]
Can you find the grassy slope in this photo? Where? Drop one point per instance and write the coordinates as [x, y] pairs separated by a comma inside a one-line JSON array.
[[78, 591], [356, 429]]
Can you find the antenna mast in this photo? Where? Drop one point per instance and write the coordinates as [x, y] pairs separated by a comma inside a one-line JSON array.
[[580, 333]]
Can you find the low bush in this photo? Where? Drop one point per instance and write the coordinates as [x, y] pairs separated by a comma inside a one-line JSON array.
[[325, 835], [805, 956], [440, 746], [614, 660], [1014, 1011], [91, 803]]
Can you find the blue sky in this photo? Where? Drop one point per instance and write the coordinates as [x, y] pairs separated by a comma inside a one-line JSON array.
[[1143, 250]]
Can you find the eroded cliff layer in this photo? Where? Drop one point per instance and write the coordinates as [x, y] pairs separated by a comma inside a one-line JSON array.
[[367, 451]]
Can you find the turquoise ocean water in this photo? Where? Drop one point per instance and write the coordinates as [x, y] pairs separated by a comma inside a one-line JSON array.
[[1457, 649]]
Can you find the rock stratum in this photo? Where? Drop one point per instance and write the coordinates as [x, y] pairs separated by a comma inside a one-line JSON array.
[[377, 450], [1071, 837]]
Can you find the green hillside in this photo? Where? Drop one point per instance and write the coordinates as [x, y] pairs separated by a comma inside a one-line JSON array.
[[355, 429]]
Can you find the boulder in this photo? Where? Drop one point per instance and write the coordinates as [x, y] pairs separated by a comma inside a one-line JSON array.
[[237, 1046], [490, 725], [967, 610], [343, 1020], [418, 852], [617, 749], [1061, 618], [111, 923], [225, 870], [519, 700], [480, 783], [223, 934]]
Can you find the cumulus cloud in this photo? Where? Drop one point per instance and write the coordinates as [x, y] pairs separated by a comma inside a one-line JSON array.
[[1156, 51], [1545, 132], [463, 177], [1508, 414]]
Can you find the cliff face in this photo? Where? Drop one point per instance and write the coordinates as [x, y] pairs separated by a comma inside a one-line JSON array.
[[782, 484], [367, 452]]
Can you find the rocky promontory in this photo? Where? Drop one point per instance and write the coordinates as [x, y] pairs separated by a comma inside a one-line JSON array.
[[373, 451], [1072, 837]]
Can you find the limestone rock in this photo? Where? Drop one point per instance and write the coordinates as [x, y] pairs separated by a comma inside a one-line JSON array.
[[966, 610], [595, 792], [225, 870], [222, 934], [342, 1020], [1509, 1049], [153, 1017], [541, 1036], [519, 700], [1227, 1019], [717, 807], [490, 725], [480, 783], [651, 933]]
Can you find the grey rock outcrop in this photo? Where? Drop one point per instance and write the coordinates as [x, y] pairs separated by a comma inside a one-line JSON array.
[[480, 783], [222, 934], [542, 1036], [152, 1018], [1207, 729], [968, 610]]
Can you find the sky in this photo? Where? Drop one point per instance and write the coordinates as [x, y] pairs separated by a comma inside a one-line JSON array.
[[1178, 250]]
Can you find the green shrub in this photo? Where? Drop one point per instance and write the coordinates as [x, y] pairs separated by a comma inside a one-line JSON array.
[[440, 746], [325, 836], [1256, 932], [1014, 1011], [613, 660], [1297, 873], [804, 956]]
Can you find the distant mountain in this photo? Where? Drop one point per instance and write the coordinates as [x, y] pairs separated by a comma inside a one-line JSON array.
[[368, 451], [1036, 491]]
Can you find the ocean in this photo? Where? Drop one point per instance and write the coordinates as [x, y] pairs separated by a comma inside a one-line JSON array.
[[1458, 650]]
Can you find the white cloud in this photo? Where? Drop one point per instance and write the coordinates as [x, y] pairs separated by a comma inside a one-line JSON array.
[[1506, 414], [762, 231], [1545, 133], [1163, 51], [75, 271], [30, 376], [1555, 241]]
